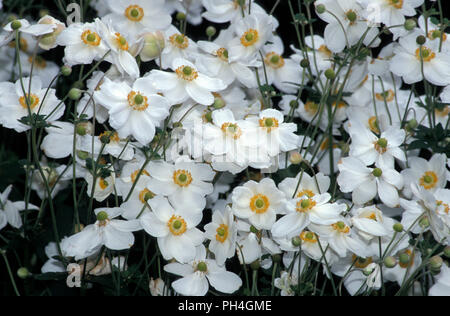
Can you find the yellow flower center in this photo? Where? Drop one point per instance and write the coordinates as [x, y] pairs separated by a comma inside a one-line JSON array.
[[306, 192], [443, 112], [177, 225], [445, 205], [134, 13], [187, 73], [135, 174], [305, 205], [387, 95], [33, 101], [307, 236], [137, 101], [429, 180], [103, 183], [146, 195], [113, 136], [274, 60], [232, 130], [179, 40], [436, 34], [341, 227], [340, 105], [361, 263], [23, 44], [398, 4], [250, 38], [381, 145], [222, 53], [351, 16], [39, 62], [222, 233], [91, 38], [269, 123], [182, 177], [311, 107], [324, 50], [259, 203], [121, 42], [427, 54], [373, 124], [372, 216]]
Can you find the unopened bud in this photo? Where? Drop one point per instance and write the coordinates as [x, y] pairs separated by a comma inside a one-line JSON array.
[[295, 158], [421, 40], [211, 31], [181, 16], [66, 70], [410, 24], [84, 128], [398, 227], [436, 263], [154, 43], [320, 8], [304, 63], [255, 265], [330, 74], [390, 262], [16, 24], [23, 273], [296, 241]]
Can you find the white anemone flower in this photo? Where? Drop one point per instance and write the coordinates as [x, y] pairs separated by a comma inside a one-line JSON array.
[[186, 83], [346, 25], [132, 17], [218, 64], [174, 229], [83, 43], [24, 27], [15, 104], [10, 211], [371, 223], [201, 272], [442, 285], [177, 45], [135, 110], [381, 150], [120, 49], [365, 183], [303, 211], [222, 232], [431, 174], [410, 58], [185, 182], [114, 234], [252, 32], [258, 202]]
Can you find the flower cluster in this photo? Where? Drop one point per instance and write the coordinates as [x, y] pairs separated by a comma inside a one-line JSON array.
[[238, 151]]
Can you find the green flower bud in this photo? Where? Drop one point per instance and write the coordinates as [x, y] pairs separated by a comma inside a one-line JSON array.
[[390, 262], [211, 31], [66, 71], [102, 216], [276, 258], [412, 124], [83, 155], [16, 24], [447, 252], [410, 24], [304, 63], [296, 241], [255, 265], [330, 74], [398, 227], [421, 40], [74, 94], [424, 222], [181, 16], [208, 117], [218, 103], [320, 9], [23, 273], [295, 158], [294, 104], [436, 263]]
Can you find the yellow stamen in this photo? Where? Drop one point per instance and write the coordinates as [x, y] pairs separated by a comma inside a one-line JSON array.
[[134, 13], [182, 177], [259, 203]]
